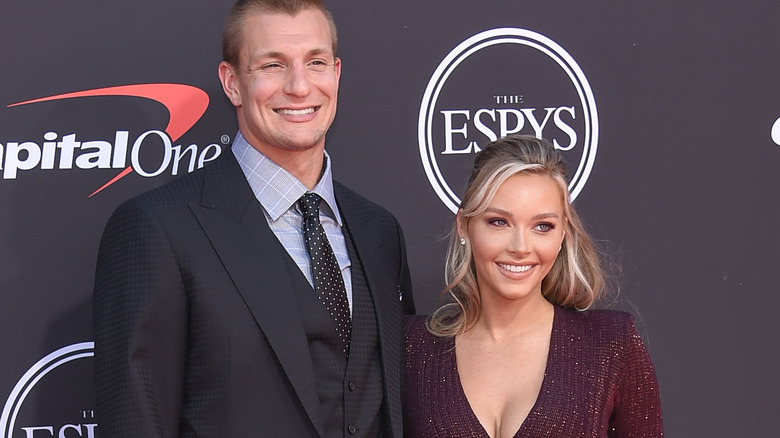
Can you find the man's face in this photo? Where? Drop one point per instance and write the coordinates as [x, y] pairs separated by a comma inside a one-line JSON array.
[[286, 84]]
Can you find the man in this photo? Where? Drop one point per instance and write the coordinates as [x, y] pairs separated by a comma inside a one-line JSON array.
[[209, 318]]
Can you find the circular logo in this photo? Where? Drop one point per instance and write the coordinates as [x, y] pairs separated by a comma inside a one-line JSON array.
[[59, 364], [499, 82], [776, 132]]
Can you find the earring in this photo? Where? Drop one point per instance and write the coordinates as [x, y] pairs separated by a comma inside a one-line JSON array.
[[462, 241]]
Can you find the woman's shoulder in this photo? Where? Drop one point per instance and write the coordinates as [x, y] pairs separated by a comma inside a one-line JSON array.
[[607, 337], [420, 340], [599, 323], [610, 316], [597, 316], [415, 325]]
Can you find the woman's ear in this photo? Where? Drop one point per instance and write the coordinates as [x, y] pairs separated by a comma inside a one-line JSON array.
[[459, 223], [565, 227]]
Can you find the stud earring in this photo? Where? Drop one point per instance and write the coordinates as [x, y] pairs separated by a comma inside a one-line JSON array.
[[462, 241]]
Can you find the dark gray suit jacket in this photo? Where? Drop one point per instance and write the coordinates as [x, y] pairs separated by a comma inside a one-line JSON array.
[[197, 331]]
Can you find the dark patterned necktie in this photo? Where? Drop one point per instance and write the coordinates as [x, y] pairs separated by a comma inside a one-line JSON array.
[[328, 281]]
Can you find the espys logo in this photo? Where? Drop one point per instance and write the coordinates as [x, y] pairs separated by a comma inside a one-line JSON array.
[[776, 132], [45, 383], [185, 105], [499, 82]]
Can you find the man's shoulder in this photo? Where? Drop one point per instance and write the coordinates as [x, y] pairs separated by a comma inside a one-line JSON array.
[[179, 188], [183, 189], [348, 198]]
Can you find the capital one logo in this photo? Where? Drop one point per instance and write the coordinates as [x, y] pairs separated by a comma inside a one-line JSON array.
[[499, 82], [185, 105], [49, 400]]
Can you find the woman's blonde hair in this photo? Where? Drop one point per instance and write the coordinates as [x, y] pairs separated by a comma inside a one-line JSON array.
[[576, 279]]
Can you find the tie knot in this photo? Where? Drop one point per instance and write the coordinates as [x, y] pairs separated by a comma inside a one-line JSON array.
[[310, 205]]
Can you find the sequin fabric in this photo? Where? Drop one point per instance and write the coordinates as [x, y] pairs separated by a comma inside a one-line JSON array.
[[599, 382]]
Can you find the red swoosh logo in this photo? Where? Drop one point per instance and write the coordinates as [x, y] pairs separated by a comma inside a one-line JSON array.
[[185, 104]]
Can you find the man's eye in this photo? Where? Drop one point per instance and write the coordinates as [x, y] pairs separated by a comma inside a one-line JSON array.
[[318, 65], [272, 67]]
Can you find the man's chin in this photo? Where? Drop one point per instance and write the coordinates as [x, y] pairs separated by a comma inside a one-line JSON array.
[[300, 143]]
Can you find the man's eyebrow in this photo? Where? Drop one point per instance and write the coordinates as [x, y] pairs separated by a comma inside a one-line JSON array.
[[282, 55], [319, 51]]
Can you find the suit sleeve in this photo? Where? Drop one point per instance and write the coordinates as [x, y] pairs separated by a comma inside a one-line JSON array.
[[637, 409], [140, 328], [404, 280]]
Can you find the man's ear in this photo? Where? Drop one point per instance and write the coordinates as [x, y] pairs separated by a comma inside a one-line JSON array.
[[227, 76]]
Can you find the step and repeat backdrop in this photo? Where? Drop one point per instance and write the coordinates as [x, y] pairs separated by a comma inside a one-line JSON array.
[[668, 115]]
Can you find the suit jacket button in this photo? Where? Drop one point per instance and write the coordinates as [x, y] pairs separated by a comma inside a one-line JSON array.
[[352, 429], [351, 385]]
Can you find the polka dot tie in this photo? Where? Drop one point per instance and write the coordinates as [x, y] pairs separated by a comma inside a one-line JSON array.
[[328, 281]]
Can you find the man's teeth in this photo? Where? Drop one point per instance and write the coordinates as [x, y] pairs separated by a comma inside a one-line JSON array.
[[294, 112], [513, 268]]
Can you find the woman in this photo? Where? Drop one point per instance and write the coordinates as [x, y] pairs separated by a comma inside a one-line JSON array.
[[515, 352]]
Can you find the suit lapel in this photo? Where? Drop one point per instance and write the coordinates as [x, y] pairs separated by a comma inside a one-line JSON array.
[[383, 288], [235, 224]]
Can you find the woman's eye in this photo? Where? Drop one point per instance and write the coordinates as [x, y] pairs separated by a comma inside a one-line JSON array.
[[545, 227], [497, 222]]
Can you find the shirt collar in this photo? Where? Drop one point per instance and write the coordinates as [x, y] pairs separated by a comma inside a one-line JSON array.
[[275, 188]]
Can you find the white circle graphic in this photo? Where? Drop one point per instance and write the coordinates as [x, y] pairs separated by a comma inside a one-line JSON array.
[[34, 375], [506, 35], [776, 132]]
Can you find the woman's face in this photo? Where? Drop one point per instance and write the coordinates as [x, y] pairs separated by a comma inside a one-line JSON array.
[[517, 239]]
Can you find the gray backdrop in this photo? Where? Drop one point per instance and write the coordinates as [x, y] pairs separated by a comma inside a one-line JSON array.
[[682, 187]]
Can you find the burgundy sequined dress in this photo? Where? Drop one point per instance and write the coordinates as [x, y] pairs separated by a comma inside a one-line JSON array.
[[599, 382]]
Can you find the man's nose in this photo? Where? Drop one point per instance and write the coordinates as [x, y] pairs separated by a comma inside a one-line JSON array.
[[297, 82]]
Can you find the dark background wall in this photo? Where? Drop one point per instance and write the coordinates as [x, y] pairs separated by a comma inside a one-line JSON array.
[[683, 189]]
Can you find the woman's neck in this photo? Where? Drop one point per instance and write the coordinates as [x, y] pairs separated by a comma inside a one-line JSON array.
[[499, 321]]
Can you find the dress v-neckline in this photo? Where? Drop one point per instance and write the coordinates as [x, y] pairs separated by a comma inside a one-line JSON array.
[[539, 396]]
